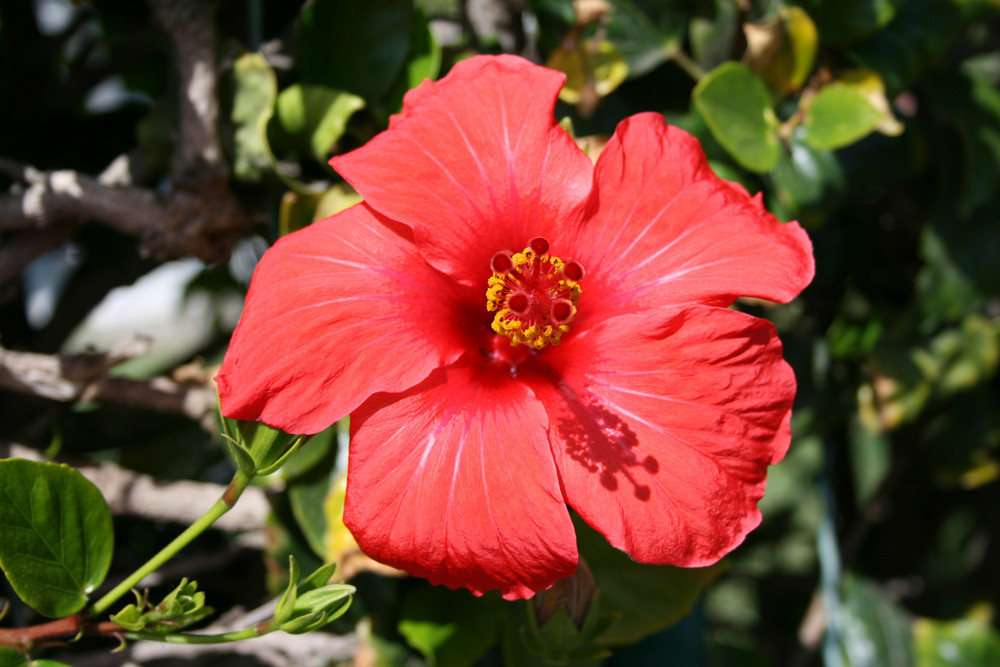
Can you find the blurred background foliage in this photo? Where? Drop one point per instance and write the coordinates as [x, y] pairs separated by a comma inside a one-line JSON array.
[[876, 123]]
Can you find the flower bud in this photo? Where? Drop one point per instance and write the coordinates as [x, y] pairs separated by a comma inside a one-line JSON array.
[[574, 594]]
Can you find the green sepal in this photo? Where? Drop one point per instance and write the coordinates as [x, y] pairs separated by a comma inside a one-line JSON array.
[[241, 455], [266, 447], [283, 459], [312, 603], [131, 618], [183, 606], [559, 640]]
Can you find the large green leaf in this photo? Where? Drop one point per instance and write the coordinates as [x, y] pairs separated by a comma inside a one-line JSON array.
[[359, 47], [57, 541], [648, 597], [451, 628], [738, 109]]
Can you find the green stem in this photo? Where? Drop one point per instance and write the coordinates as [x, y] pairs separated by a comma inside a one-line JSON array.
[[221, 506], [223, 638], [684, 61]]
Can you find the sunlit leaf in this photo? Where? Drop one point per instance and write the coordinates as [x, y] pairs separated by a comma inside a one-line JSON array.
[[425, 58], [847, 110], [299, 209], [967, 642], [316, 113], [256, 90], [738, 109], [592, 68], [57, 535]]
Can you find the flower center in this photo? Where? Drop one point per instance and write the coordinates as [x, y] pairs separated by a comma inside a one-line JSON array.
[[533, 294]]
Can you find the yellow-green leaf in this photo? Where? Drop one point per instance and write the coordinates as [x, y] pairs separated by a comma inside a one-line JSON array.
[[848, 110]]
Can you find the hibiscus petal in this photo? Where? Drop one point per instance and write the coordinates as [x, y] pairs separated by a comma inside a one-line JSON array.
[[663, 428], [475, 164], [335, 312], [664, 229], [454, 481]]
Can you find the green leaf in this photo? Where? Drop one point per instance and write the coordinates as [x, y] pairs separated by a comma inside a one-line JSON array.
[[425, 58], [360, 47], [920, 36], [848, 110], [256, 90], [738, 110], [874, 631], [317, 115], [711, 39], [10, 657], [972, 106], [57, 535], [844, 21], [649, 597], [806, 180], [968, 642], [451, 628], [644, 33]]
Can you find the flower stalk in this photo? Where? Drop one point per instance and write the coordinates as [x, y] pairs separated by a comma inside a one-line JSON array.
[[239, 483]]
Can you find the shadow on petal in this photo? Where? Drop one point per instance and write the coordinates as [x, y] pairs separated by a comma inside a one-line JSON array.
[[603, 443]]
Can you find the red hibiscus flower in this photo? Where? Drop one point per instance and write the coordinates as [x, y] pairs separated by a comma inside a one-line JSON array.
[[516, 332]]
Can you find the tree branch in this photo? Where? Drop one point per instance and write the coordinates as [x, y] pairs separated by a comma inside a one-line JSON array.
[[199, 215], [70, 378], [191, 27]]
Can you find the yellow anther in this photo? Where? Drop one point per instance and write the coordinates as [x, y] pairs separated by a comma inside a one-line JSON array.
[[534, 295]]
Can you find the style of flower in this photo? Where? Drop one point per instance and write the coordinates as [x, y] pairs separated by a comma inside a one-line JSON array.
[[516, 331]]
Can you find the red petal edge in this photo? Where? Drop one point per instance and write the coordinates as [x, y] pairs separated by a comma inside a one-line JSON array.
[[454, 481], [475, 164], [663, 428], [335, 312], [664, 229]]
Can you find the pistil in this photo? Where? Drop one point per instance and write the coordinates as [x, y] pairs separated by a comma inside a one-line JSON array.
[[533, 294]]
